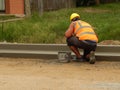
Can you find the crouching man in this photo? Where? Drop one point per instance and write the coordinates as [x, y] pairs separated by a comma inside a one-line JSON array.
[[80, 35]]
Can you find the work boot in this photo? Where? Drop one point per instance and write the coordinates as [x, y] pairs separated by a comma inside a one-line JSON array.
[[86, 58], [79, 59], [76, 59], [92, 57]]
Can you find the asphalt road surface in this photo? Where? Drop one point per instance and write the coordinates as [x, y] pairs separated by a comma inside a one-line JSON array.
[[37, 74]]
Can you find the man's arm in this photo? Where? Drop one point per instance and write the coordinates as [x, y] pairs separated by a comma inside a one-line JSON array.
[[70, 31]]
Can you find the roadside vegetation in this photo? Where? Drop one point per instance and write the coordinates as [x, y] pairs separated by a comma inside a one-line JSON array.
[[6, 17], [50, 27]]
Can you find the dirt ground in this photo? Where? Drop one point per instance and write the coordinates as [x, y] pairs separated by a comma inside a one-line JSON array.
[[37, 74]]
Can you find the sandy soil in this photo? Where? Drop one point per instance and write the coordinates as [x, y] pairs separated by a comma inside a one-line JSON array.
[[37, 74]]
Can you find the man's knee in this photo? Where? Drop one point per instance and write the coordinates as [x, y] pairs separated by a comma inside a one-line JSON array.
[[71, 41]]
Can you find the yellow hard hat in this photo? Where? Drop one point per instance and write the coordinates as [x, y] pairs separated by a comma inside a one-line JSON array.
[[74, 15]]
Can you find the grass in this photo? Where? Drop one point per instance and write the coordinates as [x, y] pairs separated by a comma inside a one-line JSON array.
[[50, 27], [6, 17]]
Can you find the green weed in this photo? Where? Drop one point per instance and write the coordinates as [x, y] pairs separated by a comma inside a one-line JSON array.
[[50, 27]]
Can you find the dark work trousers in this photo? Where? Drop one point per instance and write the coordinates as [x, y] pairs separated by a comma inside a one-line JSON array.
[[86, 45]]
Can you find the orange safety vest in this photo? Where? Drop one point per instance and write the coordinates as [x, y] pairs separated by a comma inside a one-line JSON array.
[[84, 31]]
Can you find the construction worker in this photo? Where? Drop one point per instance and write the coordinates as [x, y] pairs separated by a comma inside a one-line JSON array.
[[80, 35]]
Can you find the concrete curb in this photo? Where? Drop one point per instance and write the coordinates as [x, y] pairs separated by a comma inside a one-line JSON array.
[[50, 51]]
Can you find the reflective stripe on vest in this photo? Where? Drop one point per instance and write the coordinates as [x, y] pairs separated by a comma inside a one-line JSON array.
[[81, 27], [86, 33]]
